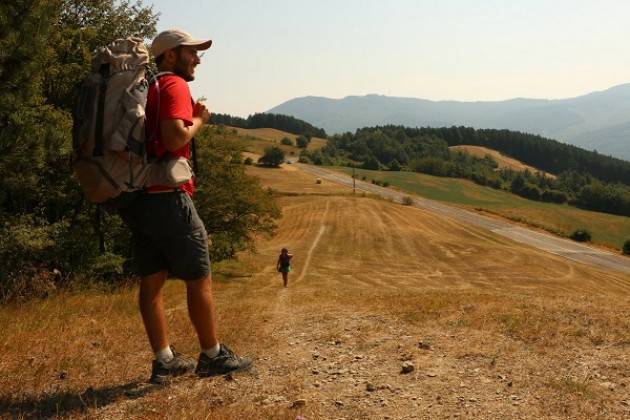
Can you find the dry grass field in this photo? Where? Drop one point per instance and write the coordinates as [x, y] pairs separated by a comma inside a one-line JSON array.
[[492, 328], [257, 139], [608, 230], [502, 160]]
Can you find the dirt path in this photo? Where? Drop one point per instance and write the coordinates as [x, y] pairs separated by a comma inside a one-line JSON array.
[[322, 229]]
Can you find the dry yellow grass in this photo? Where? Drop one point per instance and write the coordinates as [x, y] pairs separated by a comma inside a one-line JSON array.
[[507, 331], [259, 138], [501, 159], [287, 179]]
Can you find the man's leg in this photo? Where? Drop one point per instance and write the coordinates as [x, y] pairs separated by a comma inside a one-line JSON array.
[[201, 310], [152, 309], [214, 359]]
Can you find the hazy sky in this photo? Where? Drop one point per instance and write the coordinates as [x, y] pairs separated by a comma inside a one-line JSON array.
[[267, 52]]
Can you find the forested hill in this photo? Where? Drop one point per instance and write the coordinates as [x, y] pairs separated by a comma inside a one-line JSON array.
[[403, 144], [548, 155], [265, 120], [585, 179]]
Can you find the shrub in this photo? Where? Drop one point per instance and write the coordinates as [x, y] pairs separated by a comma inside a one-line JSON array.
[[286, 141], [371, 163], [626, 248], [385, 184], [581, 235], [248, 161], [302, 141], [394, 166], [407, 201], [273, 157], [554, 196]]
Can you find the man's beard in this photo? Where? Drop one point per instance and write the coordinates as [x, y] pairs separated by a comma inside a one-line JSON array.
[[181, 70]]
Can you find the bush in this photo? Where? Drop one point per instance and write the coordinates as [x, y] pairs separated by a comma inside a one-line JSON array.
[[554, 196], [407, 201], [394, 166], [385, 184], [286, 141], [371, 163], [626, 248], [581, 235], [302, 141], [248, 161], [273, 157]]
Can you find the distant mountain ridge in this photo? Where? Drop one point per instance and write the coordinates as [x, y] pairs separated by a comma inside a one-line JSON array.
[[595, 121]]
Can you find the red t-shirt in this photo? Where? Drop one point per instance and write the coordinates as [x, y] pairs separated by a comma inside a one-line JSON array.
[[175, 104]]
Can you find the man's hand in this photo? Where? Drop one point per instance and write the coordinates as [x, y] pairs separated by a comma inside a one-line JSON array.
[[200, 110], [175, 134]]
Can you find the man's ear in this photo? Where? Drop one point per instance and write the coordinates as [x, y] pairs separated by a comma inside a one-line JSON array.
[[170, 56]]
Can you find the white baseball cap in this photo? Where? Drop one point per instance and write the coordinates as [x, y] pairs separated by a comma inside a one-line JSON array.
[[172, 38]]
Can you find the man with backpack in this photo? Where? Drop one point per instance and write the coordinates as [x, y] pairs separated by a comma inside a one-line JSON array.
[[169, 237]]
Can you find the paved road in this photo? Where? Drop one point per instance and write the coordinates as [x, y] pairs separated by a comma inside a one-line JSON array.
[[546, 242]]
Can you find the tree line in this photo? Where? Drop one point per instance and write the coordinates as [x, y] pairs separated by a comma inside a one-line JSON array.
[[545, 154], [265, 120], [48, 232], [585, 179]]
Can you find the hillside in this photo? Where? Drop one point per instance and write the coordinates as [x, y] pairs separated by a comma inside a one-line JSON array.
[[598, 120], [493, 329], [256, 140], [502, 160], [259, 138]]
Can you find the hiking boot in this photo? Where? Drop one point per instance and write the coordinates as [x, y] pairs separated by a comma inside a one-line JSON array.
[[162, 372], [226, 361]]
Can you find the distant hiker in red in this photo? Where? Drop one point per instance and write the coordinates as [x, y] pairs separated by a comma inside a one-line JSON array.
[[284, 265], [170, 238]]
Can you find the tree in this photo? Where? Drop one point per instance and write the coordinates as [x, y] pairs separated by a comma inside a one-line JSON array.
[[394, 165], [370, 163], [234, 206], [302, 141], [273, 157], [45, 52]]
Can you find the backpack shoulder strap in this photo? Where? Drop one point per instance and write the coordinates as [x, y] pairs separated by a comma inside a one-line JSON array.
[[155, 80], [100, 111]]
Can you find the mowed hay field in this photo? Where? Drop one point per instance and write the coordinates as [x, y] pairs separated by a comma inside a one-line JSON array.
[[607, 229], [493, 329]]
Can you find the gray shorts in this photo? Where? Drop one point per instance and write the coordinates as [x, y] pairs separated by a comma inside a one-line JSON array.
[[168, 235]]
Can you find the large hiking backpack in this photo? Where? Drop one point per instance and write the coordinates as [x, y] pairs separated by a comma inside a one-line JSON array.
[[109, 124]]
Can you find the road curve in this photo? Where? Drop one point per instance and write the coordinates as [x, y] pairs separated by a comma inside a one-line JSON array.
[[543, 241]]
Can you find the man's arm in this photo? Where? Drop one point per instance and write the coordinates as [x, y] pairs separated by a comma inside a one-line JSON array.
[[175, 134]]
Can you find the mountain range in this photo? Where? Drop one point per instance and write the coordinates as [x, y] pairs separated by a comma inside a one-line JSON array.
[[596, 121]]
